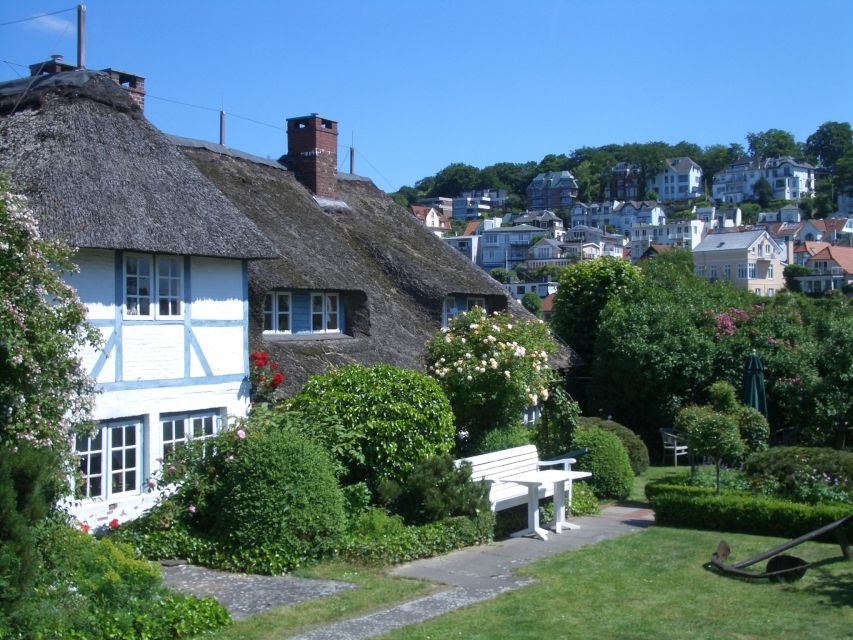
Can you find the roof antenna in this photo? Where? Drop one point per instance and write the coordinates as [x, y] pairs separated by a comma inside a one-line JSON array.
[[81, 36]]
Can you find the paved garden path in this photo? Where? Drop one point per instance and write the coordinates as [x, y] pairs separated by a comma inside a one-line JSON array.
[[473, 574]]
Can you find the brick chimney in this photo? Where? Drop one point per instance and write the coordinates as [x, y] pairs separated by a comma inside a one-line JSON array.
[[312, 153], [133, 84]]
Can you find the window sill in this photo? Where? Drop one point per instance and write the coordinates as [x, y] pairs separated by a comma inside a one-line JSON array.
[[305, 337]]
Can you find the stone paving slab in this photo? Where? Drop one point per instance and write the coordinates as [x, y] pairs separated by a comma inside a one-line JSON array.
[[243, 594]]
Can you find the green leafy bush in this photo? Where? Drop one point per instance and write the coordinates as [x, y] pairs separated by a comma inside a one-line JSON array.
[[555, 430], [711, 433], [98, 590], [394, 418], [700, 508], [753, 427], [379, 538], [638, 453], [278, 491], [608, 462], [504, 437], [584, 500], [806, 474], [435, 490]]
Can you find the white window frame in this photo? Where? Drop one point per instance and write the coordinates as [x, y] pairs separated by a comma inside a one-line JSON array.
[[196, 425], [742, 271], [727, 271], [326, 312], [272, 308], [751, 271], [154, 296], [95, 457], [476, 302]]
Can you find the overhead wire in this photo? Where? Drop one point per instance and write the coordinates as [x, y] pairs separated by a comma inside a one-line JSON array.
[[43, 15]]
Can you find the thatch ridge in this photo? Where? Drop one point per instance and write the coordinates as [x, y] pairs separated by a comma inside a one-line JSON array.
[[98, 175]]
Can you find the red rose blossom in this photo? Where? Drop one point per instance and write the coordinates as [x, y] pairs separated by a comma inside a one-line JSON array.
[[277, 379], [114, 523]]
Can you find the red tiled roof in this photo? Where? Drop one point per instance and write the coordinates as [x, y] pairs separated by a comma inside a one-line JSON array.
[[548, 303], [811, 247], [842, 256], [471, 228]]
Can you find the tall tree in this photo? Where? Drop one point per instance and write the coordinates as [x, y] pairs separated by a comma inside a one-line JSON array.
[[454, 179], [763, 192], [831, 141], [772, 143]]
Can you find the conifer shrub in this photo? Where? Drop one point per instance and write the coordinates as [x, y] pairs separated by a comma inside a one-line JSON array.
[[608, 462], [638, 453], [435, 490], [554, 432]]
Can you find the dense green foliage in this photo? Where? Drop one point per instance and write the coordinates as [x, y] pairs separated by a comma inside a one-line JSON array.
[[390, 419], [492, 367], [681, 333], [638, 453], [261, 497], [699, 508], [554, 432], [711, 434], [585, 289], [435, 490], [533, 303], [608, 462], [90, 589], [376, 537], [803, 474], [505, 437]]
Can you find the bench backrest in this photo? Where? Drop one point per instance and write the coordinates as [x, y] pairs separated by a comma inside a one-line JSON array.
[[503, 464]]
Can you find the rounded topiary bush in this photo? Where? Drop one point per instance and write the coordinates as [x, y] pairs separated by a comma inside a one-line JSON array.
[[394, 418], [608, 462], [638, 453], [278, 491]]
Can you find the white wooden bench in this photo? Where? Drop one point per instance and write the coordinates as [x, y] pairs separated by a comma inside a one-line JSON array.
[[500, 467]]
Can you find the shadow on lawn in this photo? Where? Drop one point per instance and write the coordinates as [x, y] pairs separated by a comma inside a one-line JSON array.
[[836, 588]]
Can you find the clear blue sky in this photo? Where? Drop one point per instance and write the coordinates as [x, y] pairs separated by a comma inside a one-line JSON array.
[[418, 85]]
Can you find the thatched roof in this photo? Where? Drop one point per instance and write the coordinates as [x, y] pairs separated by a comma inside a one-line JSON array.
[[393, 273], [98, 175]]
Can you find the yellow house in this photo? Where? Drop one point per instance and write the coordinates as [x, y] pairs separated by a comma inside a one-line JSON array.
[[748, 259]]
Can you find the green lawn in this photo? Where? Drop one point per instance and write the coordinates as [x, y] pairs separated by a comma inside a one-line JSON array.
[[653, 473], [653, 585]]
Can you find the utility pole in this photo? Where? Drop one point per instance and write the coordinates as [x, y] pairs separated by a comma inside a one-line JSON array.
[[81, 36]]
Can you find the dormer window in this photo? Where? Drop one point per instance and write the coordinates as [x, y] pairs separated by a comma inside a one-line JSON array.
[[303, 313], [277, 313]]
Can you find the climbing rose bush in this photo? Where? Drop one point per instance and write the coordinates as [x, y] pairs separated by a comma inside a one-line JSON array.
[[45, 395], [492, 367], [264, 376]]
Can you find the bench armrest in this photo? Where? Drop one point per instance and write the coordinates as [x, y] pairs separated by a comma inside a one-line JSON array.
[[566, 463]]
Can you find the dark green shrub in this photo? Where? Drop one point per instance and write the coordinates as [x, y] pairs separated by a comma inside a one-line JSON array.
[[608, 462], [435, 490], [754, 429], [742, 513], [377, 537], [29, 485], [98, 590], [278, 491], [507, 437], [555, 430], [396, 418], [806, 474], [638, 453]]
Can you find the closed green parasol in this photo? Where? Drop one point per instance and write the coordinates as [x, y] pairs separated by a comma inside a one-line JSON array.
[[753, 394]]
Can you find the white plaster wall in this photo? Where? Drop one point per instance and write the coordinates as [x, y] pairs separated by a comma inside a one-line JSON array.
[[217, 289], [222, 348], [153, 351], [95, 283], [90, 357]]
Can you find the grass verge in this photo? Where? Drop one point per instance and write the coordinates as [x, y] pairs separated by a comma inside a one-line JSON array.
[[374, 590], [638, 491], [653, 585]]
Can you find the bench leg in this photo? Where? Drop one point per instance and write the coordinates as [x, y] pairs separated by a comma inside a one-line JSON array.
[[532, 516]]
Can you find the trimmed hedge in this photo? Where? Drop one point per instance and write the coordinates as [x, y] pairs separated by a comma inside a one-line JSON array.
[[638, 453], [697, 508]]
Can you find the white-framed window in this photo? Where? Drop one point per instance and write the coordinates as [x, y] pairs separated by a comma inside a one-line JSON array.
[[277, 315], [179, 428], [153, 286], [770, 270], [771, 292], [727, 271], [741, 271], [713, 271], [700, 270], [110, 461], [751, 269], [324, 313]]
